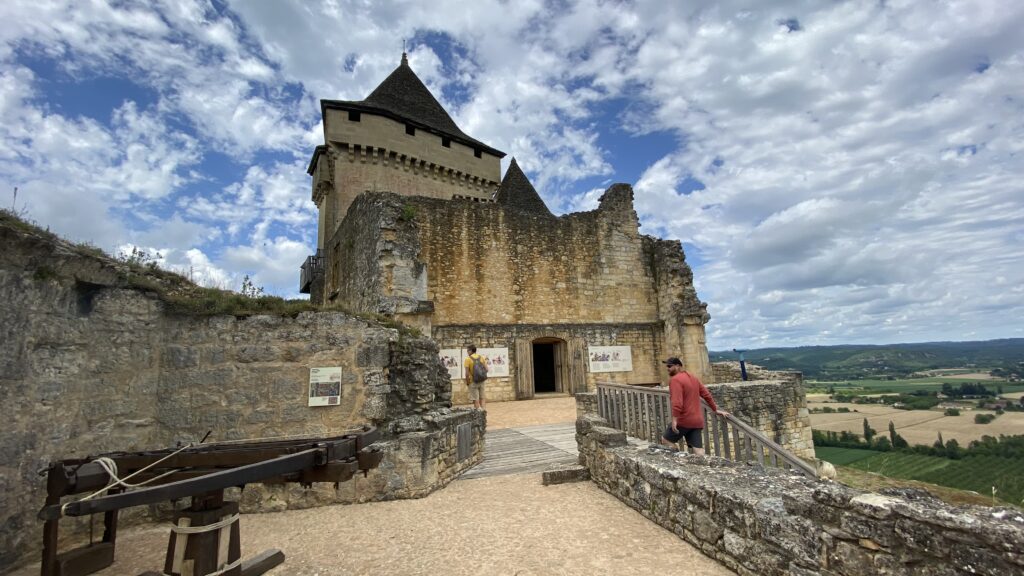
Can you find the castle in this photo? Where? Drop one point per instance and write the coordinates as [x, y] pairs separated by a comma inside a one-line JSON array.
[[415, 222]]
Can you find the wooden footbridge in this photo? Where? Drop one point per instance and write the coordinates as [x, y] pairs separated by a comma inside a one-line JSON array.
[[528, 450]]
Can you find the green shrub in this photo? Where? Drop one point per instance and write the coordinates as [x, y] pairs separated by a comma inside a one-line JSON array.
[[952, 412], [984, 418]]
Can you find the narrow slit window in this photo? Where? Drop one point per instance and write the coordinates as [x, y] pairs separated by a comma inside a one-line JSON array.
[[410, 129], [446, 142], [478, 153]]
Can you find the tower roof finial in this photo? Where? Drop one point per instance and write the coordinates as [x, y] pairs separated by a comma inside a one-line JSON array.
[[405, 57]]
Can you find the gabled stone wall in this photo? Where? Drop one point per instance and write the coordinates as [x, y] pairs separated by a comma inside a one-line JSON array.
[[767, 522]]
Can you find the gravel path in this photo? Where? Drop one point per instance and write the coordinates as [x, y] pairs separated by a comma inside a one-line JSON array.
[[498, 525]]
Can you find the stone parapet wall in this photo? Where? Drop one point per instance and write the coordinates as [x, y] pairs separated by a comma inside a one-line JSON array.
[[89, 366], [775, 408], [729, 371], [420, 459], [768, 522]]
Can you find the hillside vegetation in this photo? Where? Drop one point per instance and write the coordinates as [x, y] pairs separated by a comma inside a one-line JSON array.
[[1004, 357]]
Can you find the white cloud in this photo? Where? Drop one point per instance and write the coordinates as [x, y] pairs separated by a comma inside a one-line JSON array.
[[862, 172]]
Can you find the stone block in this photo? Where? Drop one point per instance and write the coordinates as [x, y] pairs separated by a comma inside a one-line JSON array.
[[608, 437], [564, 475]]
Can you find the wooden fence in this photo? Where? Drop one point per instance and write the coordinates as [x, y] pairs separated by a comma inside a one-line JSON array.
[[645, 413]]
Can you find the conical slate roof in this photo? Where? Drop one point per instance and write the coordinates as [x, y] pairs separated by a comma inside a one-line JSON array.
[[516, 191], [403, 97]]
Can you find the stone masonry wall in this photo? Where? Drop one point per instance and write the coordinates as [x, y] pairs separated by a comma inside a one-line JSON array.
[[775, 408], [488, 264], [767, 522], [89, 366]]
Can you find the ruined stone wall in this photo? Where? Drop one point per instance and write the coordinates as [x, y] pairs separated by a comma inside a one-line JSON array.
[[768, 522], [88, 365], [490, 264], [644, 340], [682, 312]]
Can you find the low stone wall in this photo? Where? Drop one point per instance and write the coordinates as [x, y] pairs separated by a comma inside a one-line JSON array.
[[769, 522], [729, 371], [416, 462]]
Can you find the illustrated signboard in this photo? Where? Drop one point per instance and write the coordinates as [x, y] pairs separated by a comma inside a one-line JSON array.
[[325, 386], [497, 361], [452, 359], [610, 358]]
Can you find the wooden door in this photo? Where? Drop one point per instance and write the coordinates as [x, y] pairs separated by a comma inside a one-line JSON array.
[[576, 362], [524, 369]]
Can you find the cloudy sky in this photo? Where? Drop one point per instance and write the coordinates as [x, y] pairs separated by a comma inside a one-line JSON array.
[[839, 172]]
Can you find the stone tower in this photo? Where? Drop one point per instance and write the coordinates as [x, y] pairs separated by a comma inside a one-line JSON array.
[[399, 139]]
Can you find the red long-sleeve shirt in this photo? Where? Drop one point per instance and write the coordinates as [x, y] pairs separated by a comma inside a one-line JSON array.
[[685, 390]]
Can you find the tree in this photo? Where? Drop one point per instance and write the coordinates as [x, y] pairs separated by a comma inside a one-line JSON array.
[[882, 444], [899, 443], [250, 290], [869, 432], [892, 433], [952, 412], [953, 449]]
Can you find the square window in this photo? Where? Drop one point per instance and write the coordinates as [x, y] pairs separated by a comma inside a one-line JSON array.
[[478, 153], [353, 116], [446, 142]]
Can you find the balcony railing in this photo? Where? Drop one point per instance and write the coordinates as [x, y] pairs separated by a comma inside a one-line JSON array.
[[312, 267], [645, 413]]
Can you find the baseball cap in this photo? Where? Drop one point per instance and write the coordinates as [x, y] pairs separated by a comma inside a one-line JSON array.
[[673, 361]]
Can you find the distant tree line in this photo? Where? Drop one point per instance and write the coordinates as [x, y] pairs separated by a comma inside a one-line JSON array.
[[1003, 446]]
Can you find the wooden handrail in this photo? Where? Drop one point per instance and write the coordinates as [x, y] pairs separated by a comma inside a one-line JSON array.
[[644, 413]]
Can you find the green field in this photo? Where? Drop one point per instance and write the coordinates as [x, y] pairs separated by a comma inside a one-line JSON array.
[[977, 473], [842, 456]]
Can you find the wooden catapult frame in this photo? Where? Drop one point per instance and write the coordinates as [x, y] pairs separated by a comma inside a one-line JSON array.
[[205, 537]]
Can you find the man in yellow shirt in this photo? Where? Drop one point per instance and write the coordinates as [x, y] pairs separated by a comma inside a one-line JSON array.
[[476, 373]]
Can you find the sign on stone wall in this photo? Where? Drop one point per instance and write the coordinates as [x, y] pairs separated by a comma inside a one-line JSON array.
[[497, 361], [452, 358], [610, 358], [325, 386]]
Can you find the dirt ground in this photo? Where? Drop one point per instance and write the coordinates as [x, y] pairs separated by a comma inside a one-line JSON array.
[[552, 410], [917, 426], [497, 525]]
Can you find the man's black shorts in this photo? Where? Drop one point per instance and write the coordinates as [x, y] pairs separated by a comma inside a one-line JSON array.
[[694, 436]]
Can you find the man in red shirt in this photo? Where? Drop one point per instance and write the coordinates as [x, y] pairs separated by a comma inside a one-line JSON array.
[[685, 391]]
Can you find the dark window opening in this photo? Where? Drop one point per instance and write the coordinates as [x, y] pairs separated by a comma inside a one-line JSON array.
[[86, 293], [478, 153], [410, 129], [446, 142], [543, 368], [353, 116]]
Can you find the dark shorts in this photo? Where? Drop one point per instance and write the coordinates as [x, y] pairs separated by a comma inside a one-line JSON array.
[[694, 436]]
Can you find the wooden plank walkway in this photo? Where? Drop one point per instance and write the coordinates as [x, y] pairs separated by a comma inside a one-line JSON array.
[[528, 450]]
